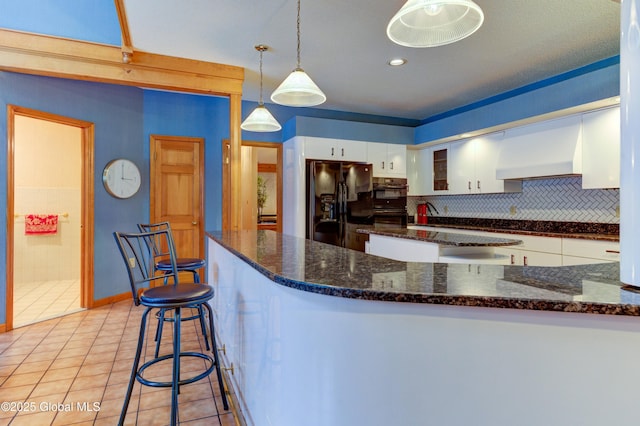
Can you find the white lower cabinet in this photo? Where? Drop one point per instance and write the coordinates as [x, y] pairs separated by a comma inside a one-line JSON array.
[[530, 258], [578, 251], [403, 249], [535, 250]]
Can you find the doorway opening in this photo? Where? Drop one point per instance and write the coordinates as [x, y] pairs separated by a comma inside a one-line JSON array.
[[50, 216], [261, 192]]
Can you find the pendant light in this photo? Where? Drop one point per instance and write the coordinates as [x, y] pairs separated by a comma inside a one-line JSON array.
[[430, 23], [260, 119], [298, 90]]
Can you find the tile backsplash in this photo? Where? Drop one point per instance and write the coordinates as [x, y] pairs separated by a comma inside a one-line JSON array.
[[556, 199]]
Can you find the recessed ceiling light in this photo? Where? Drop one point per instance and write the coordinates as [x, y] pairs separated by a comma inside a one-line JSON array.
[[397, 62]]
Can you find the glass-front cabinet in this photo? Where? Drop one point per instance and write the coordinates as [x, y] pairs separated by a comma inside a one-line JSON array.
[[440, 174]]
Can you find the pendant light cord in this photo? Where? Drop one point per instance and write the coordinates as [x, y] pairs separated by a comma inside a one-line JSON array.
[[298, 23], [261, 103]]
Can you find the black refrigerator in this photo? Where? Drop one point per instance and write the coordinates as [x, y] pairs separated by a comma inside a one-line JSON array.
[[339, 200]]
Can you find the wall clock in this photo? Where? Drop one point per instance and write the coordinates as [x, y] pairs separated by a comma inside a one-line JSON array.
[[121, 178]]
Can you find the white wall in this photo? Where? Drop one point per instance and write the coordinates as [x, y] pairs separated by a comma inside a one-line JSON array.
[[47, 181]]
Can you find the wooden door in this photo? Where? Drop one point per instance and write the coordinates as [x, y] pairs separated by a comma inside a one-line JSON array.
[[176, 190]]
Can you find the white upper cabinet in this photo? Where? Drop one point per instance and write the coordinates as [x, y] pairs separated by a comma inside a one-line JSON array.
[[416, 161], [335, 149], [601, 149], [462, 167], [472, 166], [388, 160]]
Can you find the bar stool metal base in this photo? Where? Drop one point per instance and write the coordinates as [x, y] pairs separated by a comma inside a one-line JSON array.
[[140, 378]]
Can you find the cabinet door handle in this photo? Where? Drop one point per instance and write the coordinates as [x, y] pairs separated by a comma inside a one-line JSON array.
[[478, 184], [513, 259], [612, 251], [343, 152], [332, 152], [526, 263], [391, 165], [469, 185], [383, 165]]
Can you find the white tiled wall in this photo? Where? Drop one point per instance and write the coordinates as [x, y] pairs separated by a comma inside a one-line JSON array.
[[558, 199], [47, 257]]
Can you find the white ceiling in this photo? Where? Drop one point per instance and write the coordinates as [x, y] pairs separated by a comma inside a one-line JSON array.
[[345, 48]]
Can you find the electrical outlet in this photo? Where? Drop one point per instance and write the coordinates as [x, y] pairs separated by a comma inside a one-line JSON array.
[[132, 262], [617, 211], [513, 210], [446, 209]]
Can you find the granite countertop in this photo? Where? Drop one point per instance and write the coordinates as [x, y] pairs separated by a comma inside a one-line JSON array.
[[442, 238], [554, 229], [325, 269]]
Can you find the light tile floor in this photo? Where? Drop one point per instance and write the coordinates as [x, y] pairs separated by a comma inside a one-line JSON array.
[[74, 370], [42, 300]]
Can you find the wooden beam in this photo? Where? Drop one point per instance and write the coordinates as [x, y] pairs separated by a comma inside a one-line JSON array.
[[58, 57], [235, 115], [127, 44]]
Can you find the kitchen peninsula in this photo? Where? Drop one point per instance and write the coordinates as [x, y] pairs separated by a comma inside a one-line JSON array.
[[424, 245], [319, 335]]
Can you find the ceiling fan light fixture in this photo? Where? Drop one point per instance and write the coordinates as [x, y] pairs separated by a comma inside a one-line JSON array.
[[298, 90], [431, 23], [260, 119]]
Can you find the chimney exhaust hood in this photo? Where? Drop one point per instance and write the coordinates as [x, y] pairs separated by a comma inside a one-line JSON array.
[[546, 149]]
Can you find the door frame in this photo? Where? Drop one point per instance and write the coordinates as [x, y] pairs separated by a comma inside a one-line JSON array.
[[87, 203], [152, 182], [228, 189]]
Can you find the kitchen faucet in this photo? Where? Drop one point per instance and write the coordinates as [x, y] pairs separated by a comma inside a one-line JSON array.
[[431, 208]]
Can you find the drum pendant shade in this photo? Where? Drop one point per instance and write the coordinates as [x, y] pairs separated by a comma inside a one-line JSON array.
[[431, 23]]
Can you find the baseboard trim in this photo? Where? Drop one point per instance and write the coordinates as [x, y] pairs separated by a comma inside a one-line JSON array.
[[111, 299]]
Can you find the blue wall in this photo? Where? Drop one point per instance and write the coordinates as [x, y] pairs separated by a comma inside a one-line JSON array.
[[171, 114], [594, 82], [124, 118], [116, 112], [327, 123], [352, 130]]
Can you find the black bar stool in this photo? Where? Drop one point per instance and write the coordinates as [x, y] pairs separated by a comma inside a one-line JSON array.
[[184, 264], [140, 264]]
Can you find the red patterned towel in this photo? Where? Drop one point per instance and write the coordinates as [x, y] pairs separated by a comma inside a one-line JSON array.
[[40, 224]]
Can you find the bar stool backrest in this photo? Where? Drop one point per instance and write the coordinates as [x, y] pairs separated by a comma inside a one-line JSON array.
[[140, 257], [161, 252]]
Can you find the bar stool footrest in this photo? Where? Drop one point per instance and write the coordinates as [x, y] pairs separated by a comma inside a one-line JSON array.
[[156, 384]]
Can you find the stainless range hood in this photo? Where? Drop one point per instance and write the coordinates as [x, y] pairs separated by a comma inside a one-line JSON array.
[[546, 149]]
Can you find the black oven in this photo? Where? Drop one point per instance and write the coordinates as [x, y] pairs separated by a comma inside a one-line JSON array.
[[390, 202]]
